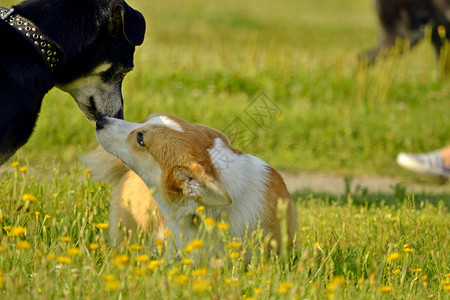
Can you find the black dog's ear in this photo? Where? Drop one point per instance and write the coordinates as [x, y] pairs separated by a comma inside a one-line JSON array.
[[129, 21]]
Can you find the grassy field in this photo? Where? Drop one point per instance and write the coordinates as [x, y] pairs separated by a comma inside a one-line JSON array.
[[210, 62]]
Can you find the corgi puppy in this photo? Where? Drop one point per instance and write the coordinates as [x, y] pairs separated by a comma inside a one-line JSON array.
[[186, 166]]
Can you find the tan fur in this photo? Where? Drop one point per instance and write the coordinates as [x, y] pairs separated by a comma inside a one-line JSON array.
[[181, 157]]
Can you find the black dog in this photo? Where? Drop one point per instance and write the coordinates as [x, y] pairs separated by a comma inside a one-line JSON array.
[[84, 47], [406, 19]]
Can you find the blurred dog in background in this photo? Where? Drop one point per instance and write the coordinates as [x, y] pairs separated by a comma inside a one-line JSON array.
[[406, 19]]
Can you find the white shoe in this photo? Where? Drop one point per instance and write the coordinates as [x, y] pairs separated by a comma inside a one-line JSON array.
[[430, 163]]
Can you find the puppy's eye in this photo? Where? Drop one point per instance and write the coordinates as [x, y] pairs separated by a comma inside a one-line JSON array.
[[140, 139]]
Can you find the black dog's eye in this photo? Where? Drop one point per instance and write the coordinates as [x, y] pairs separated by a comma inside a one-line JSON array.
[[140, 139]]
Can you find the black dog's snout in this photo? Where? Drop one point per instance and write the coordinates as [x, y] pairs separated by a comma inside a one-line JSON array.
[[101, 123]]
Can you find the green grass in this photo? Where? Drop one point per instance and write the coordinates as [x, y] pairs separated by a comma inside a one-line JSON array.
[[342, 250], [206, 62]]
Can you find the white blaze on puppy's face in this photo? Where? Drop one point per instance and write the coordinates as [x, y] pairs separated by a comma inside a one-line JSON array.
[[95, 97]]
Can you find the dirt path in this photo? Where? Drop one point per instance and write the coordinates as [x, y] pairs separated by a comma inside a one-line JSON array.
[[335, 184]]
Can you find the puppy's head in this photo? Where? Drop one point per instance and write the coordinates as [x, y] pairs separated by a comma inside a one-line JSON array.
[[98, 53], [169, 154]]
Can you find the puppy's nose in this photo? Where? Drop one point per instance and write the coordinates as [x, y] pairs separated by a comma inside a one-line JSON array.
[[101, 123]]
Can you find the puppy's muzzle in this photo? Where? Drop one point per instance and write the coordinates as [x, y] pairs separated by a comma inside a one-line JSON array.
[[101, 123]]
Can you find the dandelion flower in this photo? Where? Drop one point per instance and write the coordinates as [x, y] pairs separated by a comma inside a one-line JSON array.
[[86, 172], [181, 279], [210, 222], [257, 291], [396, 271], [139, 271], [417, 270], [393, 256], [284, 288], [168, 233], [447, 288], [142, 258], [136, 247], [445, 282], [101, 225], [201, 285], [121, 260], [51, 256], [234, 244], [336, 282], [24, 245], [330, 296], [385, 289], [93, 246], [23, 169], [195, 244], [153, 264], [223, 226], [447, 275], [17, 231], [187, 262], [200, 208], [63, 259], [15, 164], [65, 239], [29, 198], [37, 213], [408, 250], [73, 251], [200, 272], [7, 228], [112, 285], [46, 217], [158, 241], [424, 278], [234, 255]]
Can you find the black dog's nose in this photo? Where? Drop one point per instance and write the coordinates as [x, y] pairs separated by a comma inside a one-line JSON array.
[[101, 123]]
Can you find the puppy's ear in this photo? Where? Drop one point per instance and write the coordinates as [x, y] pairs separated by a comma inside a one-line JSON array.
[[195, 183], [129, 21]]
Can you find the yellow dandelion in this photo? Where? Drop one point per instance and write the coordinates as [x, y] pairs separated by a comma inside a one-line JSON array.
[[46, 217], [37, 213], [195, 244], [15, 164], [142, 258], [38, 255], [284, 288], [63, 259], [102, 225], [424, 278], [159, 247], [396, 271], [232, 281], [93, 246], [86, 172], [7, 228], [168, 233], [200, 208], [223, 226], [330, 296], [234, 255], [417, 270], [23, 169], [445, 282], [136, 247], [210, 222], [140, 271], [121, 260], [317, 244], [234, 244], [447, 288], [408, 250], [65, 239], [405, 246], [200, 272], [158, 241], [268, 281], [187, 262], [51, 256], [153, 264], [109, 277], [29, 198], [112, 285], [2, 249], [17, 231], [385, 289], [181, 279], [257, 291], [337, 281], [447, 275], [201, 285], [73, 251], [24, 245], [393, 256]]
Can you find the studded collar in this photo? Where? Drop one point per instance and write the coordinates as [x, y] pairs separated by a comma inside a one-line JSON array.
[[47, 49]]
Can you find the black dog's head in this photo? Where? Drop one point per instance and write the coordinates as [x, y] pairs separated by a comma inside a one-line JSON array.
[[97, 38]]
